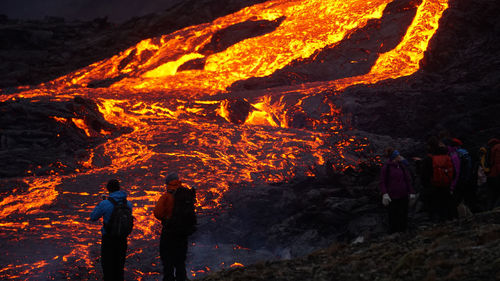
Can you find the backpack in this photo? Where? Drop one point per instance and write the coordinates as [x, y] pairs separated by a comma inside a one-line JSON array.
[[442, 171], [183, 220], [121, 222]]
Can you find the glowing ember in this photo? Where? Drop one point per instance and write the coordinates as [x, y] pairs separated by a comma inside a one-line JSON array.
[[236, 264]]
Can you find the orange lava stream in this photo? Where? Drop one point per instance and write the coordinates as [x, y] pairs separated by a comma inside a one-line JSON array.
[[152, 63], [404, 59], [41, 192]]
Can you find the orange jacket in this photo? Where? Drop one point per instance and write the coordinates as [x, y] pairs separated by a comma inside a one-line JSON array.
[[165, 205]]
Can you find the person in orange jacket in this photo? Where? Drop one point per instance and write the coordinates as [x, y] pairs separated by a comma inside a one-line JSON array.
[[173, 247]]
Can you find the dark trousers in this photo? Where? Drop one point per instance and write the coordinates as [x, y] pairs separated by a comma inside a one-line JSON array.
[[443, 206], [398, 215], [113, 251], [173, 252], [466, 192], [493, 190]]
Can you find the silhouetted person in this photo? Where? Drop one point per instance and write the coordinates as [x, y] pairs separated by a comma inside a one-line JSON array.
[[113, 248], [480, 179], [175, 209], [437, 175], [445, 140], [396, 188], [494, 173], [465, 191]]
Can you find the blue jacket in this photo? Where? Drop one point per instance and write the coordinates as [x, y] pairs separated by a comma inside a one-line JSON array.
[[105, 207]]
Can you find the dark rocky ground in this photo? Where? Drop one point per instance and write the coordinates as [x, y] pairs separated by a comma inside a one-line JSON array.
[[39, 137], [467, 249], [294, 218], [456, 89]]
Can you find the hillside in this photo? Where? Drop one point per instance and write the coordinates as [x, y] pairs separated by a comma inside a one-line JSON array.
[[467, 249]]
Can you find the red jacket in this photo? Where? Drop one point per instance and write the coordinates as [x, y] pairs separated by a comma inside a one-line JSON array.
[[494, 158]]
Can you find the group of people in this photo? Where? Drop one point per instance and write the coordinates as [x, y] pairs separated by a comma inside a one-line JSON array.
[[449, 180], [447, 175], [175, 211]]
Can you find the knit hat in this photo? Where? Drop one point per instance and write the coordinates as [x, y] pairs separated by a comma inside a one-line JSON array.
[[394, 154], [113, 185], [457, 142], [171, 176]]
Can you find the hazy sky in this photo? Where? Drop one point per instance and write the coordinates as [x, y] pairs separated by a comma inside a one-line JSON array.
[[115, 10]]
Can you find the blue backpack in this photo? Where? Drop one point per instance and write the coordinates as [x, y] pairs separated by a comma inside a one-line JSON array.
[[465, 165]]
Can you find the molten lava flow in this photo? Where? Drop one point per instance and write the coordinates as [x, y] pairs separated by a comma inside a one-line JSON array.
[[82, 125], [153, 63], [171, 91], [404, 59], [41, 192]]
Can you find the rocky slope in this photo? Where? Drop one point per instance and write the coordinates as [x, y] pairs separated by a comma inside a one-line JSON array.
[[41, 137], [456, 89], [467, 249]]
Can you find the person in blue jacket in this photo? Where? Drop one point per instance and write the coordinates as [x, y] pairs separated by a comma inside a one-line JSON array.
[[113, 249]]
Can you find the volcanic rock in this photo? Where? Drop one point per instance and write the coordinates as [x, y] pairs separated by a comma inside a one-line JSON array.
[[295, 218], [456, 89], [40, 137], [233, 34], [238, 110], [460, 250]]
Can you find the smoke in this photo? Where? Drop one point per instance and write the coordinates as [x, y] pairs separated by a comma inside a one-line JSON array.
[[114, 10]]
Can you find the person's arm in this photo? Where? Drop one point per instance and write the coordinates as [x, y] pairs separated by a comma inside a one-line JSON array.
[[383, 179], [98, 211]]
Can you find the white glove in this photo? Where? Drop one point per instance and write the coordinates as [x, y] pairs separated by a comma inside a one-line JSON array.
[[386, 199], [412, 196]]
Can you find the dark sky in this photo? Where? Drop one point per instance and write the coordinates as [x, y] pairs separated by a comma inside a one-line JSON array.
[[115, 10]]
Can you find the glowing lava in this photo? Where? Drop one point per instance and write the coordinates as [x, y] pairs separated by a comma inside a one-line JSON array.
[[171, 90]]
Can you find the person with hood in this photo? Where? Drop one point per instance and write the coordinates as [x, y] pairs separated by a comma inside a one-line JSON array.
[[113, 249], [465, 191], [480, 178], [437, 174], [494, 172], [174, 238], [396, 188]]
